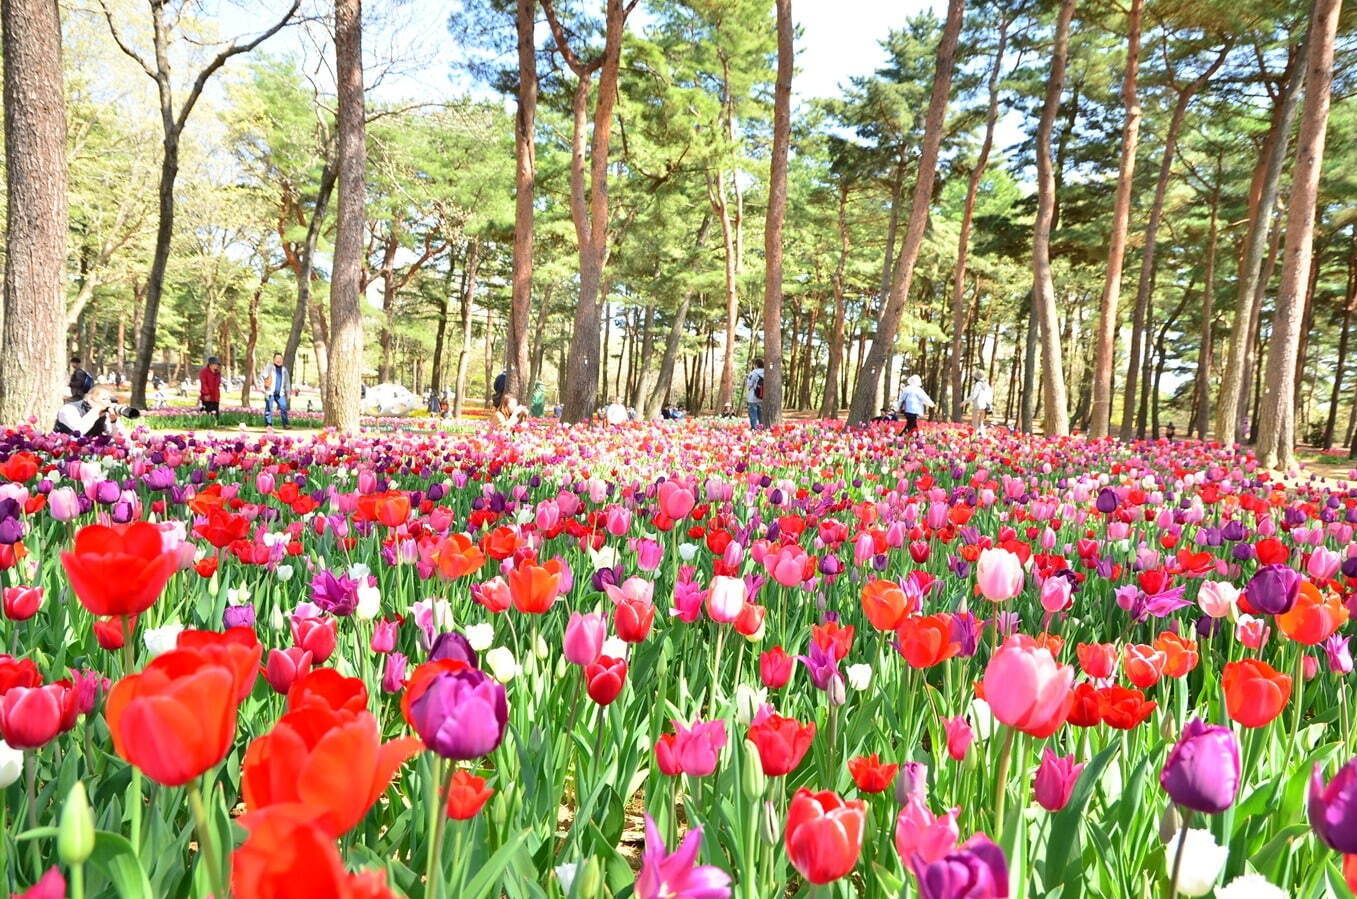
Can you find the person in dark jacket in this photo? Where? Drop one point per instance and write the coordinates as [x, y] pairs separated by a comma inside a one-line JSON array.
[[82, 382], [209, 387]]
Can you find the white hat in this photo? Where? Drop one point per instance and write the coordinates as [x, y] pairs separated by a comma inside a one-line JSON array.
[[914, 381]]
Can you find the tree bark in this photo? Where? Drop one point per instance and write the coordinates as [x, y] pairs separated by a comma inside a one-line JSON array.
[[1028, 411], [1202, 413], [517, 361], [888, 325], [1145, 287], [440, 342], [469, 271], [1056, 420], [1105, 347], [1349, 309], [32, 336], [967, 214], [777, 212], [1276, 426], [1263, 200], [829, 406], [344, 382], [252, 340]]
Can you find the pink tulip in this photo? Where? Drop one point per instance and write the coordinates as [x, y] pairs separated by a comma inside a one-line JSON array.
[[999, 574], [63, 504], [284, 666], [547, 515], [1252, 632], [725, 599], [694, 750], [1055, 780], [617, 520], [1027, 689], [919, 832], [1323, 563], [264, 482], [584, 636], [787, 565], [675, 501], [649, 554], [1217, 599], [634, 589], [959, 737], [1057, 594]]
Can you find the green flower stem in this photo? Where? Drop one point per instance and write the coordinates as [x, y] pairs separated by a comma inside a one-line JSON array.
[[207, 840]]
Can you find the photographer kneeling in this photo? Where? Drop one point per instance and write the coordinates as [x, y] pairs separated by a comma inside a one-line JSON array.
[[96, 413]]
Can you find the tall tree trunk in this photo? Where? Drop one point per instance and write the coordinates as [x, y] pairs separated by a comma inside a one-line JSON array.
[[344, 381], [777, 211], [967, 214], [306, 271], [32, 336], [252, 340], [864, 394], [829, 406], [469, 271], [1105, 347], [1056, 420], [517, 361], [386, 336], [1276, 425], [440, 341], [1028, 411], [1145, 286], [1202, 412], [717, 189], [660, 389], [589, 204], [1349, 309], [1262, 202]]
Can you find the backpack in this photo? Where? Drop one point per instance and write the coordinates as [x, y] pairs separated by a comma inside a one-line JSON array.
[[758, 388]]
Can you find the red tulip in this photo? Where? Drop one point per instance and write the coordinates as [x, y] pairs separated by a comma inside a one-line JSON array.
[[237, 649], [331, 761], [112, 633], [467, 793], [18, 673], [328, 688], [22, 603], [31, 716], [175, 719], [831, 636], [318, 636], [285, 666], [287, 854], [926, 640], [605, 678], [775, 668], [1098, 660], [781, 742], [871, 774], [1144, 664], [1123, 708], [119, 570], [632, 619], [824, 834], [533, 588], [885, 605]]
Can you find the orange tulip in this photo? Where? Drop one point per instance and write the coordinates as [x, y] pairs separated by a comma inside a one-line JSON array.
[[1314, 617], [331, 761], [1098, 660], [287, 854], [176, 718], [1144, 664], [1255, 692], [885, 604], [533, 588], [925, 641], [1180, 653], [456, 555]]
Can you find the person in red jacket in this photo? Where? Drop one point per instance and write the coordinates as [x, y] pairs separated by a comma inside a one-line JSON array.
[[209, 387]]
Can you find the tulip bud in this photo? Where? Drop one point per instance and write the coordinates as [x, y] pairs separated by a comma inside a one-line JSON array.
[[1169, 823], [75, 834], [752, 779], [770, 824]]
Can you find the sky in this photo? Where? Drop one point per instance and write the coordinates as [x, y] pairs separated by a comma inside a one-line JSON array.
[[839, 39]]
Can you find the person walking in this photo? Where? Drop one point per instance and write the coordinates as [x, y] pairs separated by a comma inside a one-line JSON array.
[[981, 401], [277, 384], [209, 387], [753, 394], [914, 401]]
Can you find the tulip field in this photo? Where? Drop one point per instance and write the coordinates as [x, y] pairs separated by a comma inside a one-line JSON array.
[[687, 662]]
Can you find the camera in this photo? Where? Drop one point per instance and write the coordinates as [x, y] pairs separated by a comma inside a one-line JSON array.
[[124, 411]]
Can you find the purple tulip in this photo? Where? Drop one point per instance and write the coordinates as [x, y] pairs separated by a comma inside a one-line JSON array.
[[461, 714], [1107, 501], [1333, 808], [977, 870], [822, 665], [1055, 780], [1339, 655], [1202, 770], [238, 616], [1273, 589], [393, 675], [452, 645], [384, 636], [336, 595], [677, 876]]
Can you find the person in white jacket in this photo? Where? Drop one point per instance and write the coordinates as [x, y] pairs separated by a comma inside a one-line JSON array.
[[913, 402], [981, 401]]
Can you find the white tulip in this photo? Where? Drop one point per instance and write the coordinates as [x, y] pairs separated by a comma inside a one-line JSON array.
[[687, 551], [160, 640], [237, 596], [502, 664], [748, 700], [1251, 886], [982, 719], [604, 557], [283, 573], [358, 571], [615, 647], [369, 603], [859, 676], [565, 873], [1201, 864], [480, 636], [11, 764]]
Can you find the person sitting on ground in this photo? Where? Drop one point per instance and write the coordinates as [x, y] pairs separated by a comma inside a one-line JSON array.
[[887, 414], [727, 411], [914, 401], [1171, 432], [92, 415], [509, 414], [209, 387], [981, 401]]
